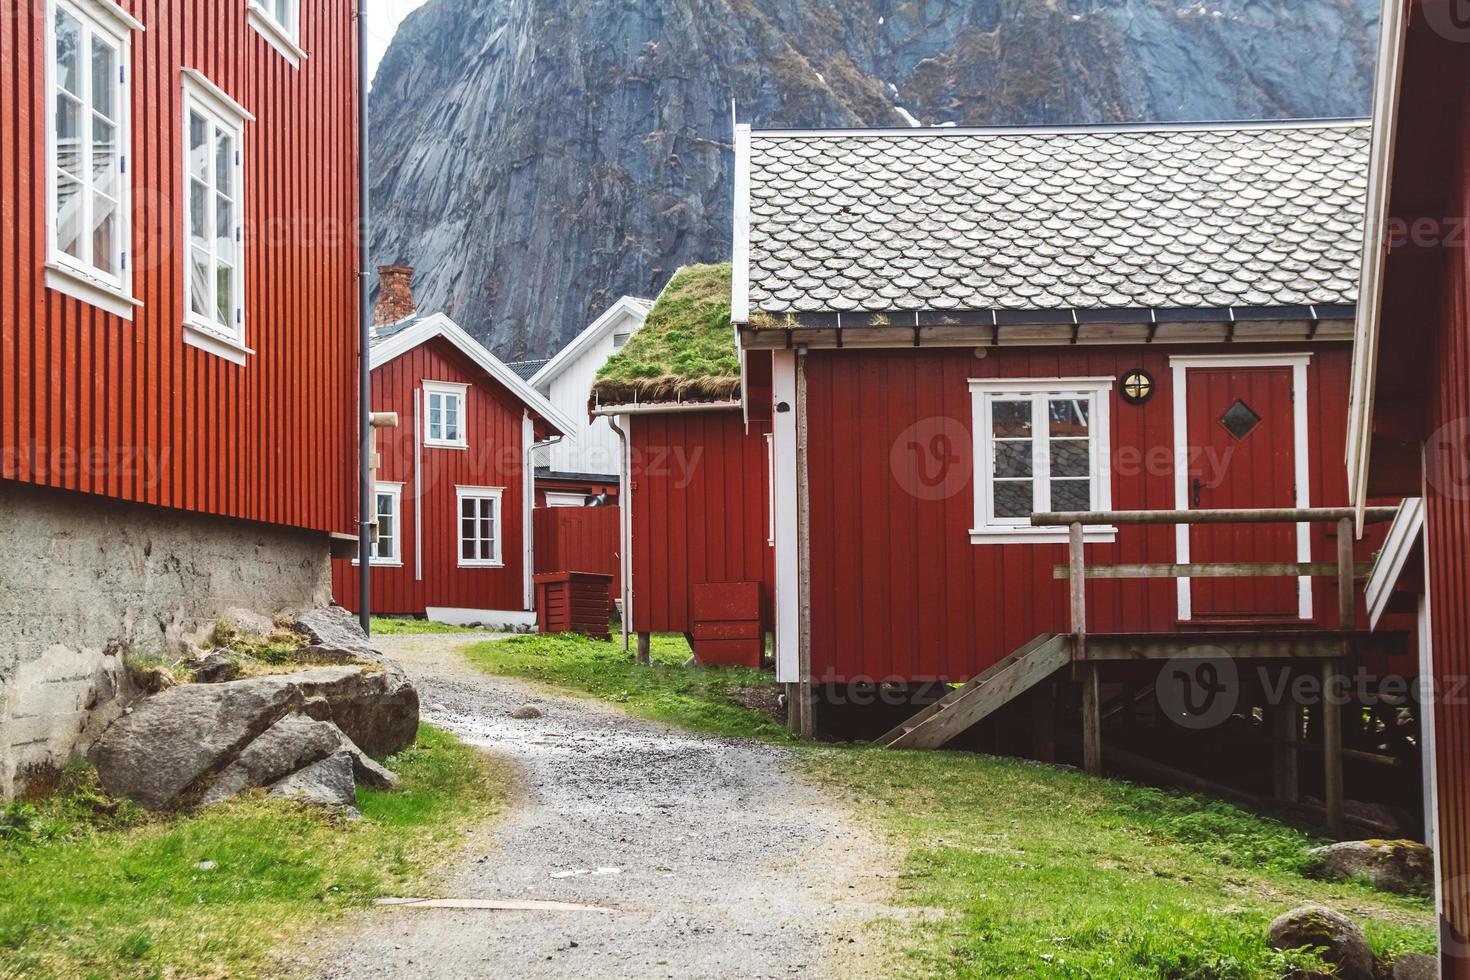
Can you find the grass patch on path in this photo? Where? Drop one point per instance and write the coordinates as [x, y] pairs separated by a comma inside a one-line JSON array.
[[92, 889], [1015, 869], [713, 700]]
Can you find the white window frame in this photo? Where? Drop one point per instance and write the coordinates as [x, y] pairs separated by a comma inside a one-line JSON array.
[[64, 273], [282, 34], [984, 392], [561, 498], [394, 490], [447, 389], [210, 101], [497, 494]]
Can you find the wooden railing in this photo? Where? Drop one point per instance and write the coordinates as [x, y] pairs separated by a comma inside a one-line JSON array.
[[1345, 569]]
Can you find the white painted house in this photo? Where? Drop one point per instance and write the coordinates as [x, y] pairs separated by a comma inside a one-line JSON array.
[[586, 462]]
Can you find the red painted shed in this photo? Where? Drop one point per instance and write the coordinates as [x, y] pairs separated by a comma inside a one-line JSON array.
[[1411, 398], [454, 537]]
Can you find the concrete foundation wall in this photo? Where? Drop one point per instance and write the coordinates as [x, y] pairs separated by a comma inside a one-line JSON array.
[[85, 580]]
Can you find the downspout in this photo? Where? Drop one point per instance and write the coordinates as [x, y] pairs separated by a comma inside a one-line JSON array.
[[366, 502], [528, 506], [625, 526]]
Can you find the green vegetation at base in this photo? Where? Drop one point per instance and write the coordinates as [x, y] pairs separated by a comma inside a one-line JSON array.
[[728, 701], [93, 888], [404, 626], [1010, 868]]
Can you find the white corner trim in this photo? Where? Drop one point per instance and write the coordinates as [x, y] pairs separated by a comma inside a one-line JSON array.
[[1392, 559], [788, 581], [440, 325], [197, 84], [627, 308], [221, 346], [78, 285], [740, 256], [1298, 362], [122, 21], [265, 25]]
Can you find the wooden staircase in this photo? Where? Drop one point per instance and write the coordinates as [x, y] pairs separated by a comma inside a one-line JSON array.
[[985, 693]]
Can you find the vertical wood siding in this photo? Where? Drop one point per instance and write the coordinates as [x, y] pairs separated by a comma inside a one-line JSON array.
[[493, 459], [93, 403], [700, 513], [898, 589]]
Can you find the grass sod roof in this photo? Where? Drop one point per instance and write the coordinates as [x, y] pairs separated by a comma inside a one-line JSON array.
[[685, 350]]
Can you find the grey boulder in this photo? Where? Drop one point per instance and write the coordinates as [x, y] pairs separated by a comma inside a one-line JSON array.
[[293, 743], [1392, 865], [327, 782], [335, 635], [160, 754], [1316, 926], [1414, 966]]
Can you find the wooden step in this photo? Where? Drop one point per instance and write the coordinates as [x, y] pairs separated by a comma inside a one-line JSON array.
[[985, 693]]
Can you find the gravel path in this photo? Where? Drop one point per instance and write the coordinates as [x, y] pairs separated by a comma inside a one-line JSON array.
[[728, 862]]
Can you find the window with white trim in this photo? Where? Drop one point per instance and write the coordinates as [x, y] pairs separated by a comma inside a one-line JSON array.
[[387, 542], [479, 526], [1040, 445], [88, 135], [282, 15], [214, 281], [444, 423]]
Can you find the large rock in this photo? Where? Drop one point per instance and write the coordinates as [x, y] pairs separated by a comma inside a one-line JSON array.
[[293, 743], [1316, 926], [1393, 865], [160, 754], [334, 628], [1414, 966], [324, 783]]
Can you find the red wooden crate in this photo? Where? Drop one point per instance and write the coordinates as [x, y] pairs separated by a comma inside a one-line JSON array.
[[573, 602], [727, 623]]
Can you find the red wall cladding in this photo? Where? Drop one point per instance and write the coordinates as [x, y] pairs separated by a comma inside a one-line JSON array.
[[700, 513], [493, 459], [899, 590], [91, 402]]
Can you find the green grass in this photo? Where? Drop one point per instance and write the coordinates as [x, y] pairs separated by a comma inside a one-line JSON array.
[[1011, 869], [403, 626], [89, 888], [685, 348], [705, 699]]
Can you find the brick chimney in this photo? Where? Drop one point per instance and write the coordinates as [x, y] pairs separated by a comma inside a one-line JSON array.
[[395, 294]]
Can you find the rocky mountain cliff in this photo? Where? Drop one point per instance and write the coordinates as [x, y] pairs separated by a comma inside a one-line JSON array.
[[536, 159]]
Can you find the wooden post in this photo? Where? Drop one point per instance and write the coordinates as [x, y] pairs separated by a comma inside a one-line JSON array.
[[803, 556], [1043, 723], [1347, 605], [1331, 717], [1091, 720], [1284, 724], [1077, 589], [643, 643]]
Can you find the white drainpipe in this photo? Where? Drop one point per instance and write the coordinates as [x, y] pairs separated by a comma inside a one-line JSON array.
[[528, 502]]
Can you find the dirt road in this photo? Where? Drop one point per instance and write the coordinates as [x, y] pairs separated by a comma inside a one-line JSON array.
[[715, 856]]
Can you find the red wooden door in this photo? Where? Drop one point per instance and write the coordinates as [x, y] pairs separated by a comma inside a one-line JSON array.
[[1242, 454]]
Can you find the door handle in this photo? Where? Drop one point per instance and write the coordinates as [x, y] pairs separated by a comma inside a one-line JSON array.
[[1196, 487]]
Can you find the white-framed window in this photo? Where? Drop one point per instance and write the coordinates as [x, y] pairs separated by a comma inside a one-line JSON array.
[[279, 22], [620, 340], [88, 132], [444, 421], [213, 212], [388, 539], [1041, 444], [479, 526]]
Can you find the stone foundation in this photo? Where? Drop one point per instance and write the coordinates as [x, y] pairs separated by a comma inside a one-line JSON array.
[[85, 580]]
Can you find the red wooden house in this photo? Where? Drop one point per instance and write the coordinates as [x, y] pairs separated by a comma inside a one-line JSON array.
[[1411, 399], [454, 481], [178, 334], [697, 538]]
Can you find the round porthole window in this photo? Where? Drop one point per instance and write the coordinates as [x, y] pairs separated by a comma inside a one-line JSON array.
[[1137, 387]]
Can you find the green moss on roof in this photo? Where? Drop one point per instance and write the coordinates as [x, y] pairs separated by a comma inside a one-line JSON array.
[[686, 348]]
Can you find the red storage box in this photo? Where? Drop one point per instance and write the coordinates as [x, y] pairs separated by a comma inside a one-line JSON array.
[[573, 602], [727, 624]]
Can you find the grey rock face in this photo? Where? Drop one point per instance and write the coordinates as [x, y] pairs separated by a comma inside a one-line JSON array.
[[537, 159], [162, 752], [1318, 926], [1414, 966], [290, 744], [325, 783], [333, 628], [1393, 865]]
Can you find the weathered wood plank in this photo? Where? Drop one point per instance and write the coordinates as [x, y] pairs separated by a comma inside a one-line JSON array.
[[1280, 515], [1242, 645], [1091, 720], [1284, 723], [1331, 714], [1280, 569]]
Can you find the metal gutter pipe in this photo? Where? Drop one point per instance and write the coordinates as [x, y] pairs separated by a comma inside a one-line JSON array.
[[367, 502]]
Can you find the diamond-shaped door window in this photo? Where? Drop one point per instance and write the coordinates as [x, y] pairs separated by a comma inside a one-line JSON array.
[[1239, 420]]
